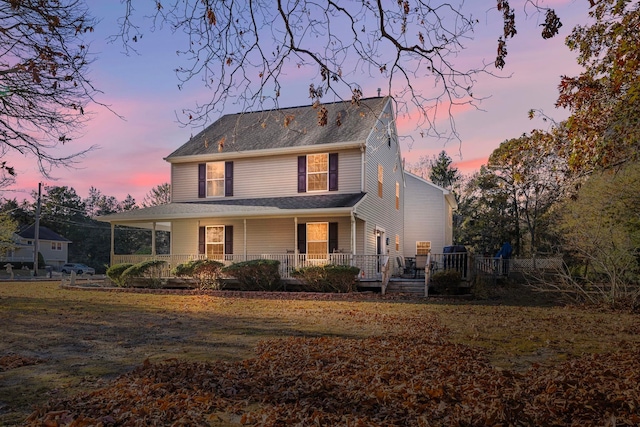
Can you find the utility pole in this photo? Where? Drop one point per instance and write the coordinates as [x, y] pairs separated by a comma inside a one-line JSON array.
[[36, 232]]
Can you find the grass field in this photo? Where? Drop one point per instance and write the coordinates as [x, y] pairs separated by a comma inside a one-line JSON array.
[[58, 343]]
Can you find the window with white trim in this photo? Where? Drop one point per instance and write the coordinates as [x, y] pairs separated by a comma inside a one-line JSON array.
[[56, 246], [423, 248], [397, 196], [397, 242], [215, 179], [214, 242], [317, 240], [318, 172], [380, 177]]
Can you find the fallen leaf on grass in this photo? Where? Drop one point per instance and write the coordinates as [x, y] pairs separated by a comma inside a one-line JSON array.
[[13, 361], [408, 376]]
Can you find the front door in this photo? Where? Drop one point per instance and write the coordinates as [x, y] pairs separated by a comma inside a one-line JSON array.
[[380, 248]]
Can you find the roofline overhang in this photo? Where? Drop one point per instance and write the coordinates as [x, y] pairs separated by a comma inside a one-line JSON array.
[[232, 155], [452, 200], [280, 213]]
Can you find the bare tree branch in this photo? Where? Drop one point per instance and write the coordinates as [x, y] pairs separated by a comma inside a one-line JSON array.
[[44, 88], [244, 52]]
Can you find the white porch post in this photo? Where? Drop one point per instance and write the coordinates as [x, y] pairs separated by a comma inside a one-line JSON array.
[[244, 237], [353, 238], [153, 239], [113, 239], [295, 241]]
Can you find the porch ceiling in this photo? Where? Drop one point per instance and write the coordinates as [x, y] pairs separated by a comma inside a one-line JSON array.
[[326, 204]]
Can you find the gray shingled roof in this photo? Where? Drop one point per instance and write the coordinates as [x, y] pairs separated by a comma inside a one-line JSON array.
[[28, 232], [324, 201], [230, 207], [287, 127]]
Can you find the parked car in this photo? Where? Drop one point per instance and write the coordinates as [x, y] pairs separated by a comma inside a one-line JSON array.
[[78, 268]]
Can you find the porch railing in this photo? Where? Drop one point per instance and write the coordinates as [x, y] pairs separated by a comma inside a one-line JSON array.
[[459, 261], [496, 266], [371, 266]]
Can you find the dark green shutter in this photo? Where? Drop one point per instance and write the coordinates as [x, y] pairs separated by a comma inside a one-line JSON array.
[[333, 171], [228, 239], [302, 238], [228, 179], [202, 180], [201, 240], [302, 174]]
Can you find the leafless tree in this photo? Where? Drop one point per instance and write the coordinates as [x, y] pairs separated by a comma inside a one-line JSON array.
[[44, 87], [245, 50]]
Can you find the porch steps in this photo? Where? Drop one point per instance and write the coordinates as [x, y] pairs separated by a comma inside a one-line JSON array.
[[405, 286]]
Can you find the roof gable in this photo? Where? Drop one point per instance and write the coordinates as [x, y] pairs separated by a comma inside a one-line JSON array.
[[448, 195], [286, 127]]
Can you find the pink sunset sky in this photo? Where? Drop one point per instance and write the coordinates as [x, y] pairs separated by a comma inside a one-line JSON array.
[[143, 89]]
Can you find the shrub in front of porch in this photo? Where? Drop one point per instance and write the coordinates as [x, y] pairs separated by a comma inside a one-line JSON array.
[[445, 282], [328, 278], [115, 273], [145, 274], [206, 272], [256, 275]]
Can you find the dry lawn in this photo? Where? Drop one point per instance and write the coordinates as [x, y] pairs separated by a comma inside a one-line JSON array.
[[90, 357]]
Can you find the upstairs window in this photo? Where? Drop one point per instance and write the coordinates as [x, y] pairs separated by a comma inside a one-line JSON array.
[[397, 196], [215, 179], [380, 178], [318, 172]]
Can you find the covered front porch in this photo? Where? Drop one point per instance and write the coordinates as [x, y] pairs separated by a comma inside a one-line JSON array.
[[371, 267]]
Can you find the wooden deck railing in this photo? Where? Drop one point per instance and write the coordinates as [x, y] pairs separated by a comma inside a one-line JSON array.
[[455, 261]]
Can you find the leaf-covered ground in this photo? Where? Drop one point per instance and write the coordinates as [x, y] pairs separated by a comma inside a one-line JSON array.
[[70, 357], [410, 376]]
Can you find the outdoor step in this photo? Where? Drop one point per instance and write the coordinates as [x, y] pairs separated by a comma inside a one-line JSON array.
[[413, 287]]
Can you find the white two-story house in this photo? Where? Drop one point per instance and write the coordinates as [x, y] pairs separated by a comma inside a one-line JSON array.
[[278, 184]]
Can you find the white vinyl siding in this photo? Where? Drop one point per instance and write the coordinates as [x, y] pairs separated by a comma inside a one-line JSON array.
[[50, 252], [378, 211], [184, 182], [274, 176], [270, 236], [184, 237], [427, 216]]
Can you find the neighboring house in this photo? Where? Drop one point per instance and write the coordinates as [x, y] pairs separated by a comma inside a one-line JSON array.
[[53, 247], [276, 184]]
